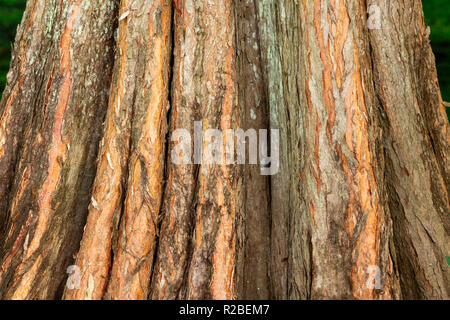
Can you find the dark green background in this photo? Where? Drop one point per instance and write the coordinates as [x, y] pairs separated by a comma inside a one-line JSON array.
[[10, 16], [437, 14]]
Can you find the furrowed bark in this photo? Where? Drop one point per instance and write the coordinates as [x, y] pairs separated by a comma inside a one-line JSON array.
[[219, 187], [280, 199], [132, 157], [278, 24], [197, 248], [292, 122], [179, 198], [254, 236], [46, 216], [94, 256], [25, 82], [342, 185], [130, 275], [416, 147], [358, 208]]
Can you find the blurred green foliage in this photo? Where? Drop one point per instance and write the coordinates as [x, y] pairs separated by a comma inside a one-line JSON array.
[[10, 16], [437, 14]]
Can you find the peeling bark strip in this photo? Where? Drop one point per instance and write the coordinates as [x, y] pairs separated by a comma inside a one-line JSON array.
[[417, 148], [46, 216], [131, 159]]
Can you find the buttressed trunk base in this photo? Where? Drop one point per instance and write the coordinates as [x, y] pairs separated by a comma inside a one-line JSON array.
[[94, 206]]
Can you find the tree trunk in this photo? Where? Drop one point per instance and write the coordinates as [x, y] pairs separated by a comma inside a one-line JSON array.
[[52, 112], [356, 208]]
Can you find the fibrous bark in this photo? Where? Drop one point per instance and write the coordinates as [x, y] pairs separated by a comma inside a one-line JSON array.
[[416, 147], [118, 257], [57, 97], [357, 208], [342, 180]]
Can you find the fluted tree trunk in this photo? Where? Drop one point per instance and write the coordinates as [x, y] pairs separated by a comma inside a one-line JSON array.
[[357, 207], [52, 111]]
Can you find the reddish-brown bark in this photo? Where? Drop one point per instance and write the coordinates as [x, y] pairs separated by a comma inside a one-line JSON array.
[[45, 214], [129, 185], [358, 208]]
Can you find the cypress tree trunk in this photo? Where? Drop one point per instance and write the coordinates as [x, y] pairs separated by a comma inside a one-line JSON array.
[[52, 112], [356, 208]]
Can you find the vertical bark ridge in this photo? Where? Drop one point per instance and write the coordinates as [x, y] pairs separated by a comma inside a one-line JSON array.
[[255, 242], [279, 184], [416, 148], [46, 217], [95, 254], [175, 241], [128, 185], [211, 270], [280, 37], [291, 126], [347, 214], [130, 275], [22, 88], [428, 92], [204, 90]]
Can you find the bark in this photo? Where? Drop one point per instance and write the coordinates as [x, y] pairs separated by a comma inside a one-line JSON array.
[[129, 181], [210, 273], [416, 147], [358, 208], [255, 227], [278, 24], [58, 94], [342, 171]]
